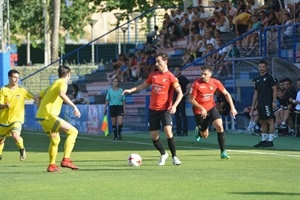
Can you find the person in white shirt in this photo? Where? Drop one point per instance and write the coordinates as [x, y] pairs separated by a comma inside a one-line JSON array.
[[204, 14], [297, 100]]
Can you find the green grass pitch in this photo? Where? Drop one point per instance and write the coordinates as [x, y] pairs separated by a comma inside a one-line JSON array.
[[272, 174]]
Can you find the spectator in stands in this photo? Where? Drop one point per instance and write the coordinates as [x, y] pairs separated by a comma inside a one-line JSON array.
[[194, 25], [132, 68], [232, 53], [220, 62], [202, 45], [282, 111], [117, 64], [174, 32], [204, 14], [251, 40], [116, 102], [212, 58], [163, 85], [202, 28], [152, 36], [222, 23], [180, 114], [191, 50], [231, 12], [202, 99], [264, 99], [296, 101], [287, 31], [240, 6], [185, 24], [211, 40], [240, 25], [77, 95], [290, 93]]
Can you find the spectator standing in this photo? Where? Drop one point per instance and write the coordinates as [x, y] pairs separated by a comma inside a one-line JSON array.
[[204, 107], [116, 102], [49, 102], [161, 108], [12, 109], [180, 114], [264, 99]]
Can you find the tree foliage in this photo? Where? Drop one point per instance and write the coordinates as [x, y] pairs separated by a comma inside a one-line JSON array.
[[27, 16]]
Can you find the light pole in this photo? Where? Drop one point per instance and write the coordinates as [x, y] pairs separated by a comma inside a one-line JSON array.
[[92, 23], [124, 29], [134, 16], [45, 33], [118, 16]]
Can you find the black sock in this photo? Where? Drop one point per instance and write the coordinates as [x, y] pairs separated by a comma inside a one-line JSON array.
[[120, 129], [172, 147], [158, 145], [221, 140], [114, 128]]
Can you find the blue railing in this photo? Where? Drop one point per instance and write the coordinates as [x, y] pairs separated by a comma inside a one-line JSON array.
[[264, 52]]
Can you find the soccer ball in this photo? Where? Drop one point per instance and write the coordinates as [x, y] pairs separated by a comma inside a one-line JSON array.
[[134, 159]]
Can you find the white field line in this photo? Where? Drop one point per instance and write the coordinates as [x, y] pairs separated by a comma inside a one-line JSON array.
[[191, 147]]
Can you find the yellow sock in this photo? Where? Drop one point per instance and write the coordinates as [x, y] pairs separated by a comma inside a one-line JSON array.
[[1, 148], [20, 143], [70, 141], [53, 148]]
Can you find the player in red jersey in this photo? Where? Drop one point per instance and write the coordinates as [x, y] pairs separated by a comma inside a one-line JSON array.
[[161, 108], [204, 107]]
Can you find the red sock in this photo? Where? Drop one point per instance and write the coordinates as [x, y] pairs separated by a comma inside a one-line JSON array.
[[66, 159]]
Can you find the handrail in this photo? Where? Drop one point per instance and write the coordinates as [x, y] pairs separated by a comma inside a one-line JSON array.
[[79, 48]]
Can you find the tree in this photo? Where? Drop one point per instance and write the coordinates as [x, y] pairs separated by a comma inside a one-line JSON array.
[[72, 15]]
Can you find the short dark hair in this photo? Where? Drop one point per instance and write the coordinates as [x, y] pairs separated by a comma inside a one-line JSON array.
[[163, 55], [63, 71], [11, 72], [205, 67], [263, 62]]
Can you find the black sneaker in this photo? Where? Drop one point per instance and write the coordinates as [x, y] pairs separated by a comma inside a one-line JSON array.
[[0, 157], [268, 144], [260, 144], [22, 154]]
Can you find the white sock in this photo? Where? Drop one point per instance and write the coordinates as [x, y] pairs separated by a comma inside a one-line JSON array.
[[271, 137], [264, 137]]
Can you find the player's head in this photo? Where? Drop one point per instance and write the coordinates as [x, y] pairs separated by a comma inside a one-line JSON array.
[[63, 71], [13, 77], [262, 67], [162, 62], [206, 73]]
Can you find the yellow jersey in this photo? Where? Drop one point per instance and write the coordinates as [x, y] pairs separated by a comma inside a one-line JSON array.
[[51, 103], [16, 99]]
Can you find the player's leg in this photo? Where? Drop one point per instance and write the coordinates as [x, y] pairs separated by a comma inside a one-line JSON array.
[[15, 131], [218, 124], [71, 133], [119, 119], [154, 127], [2, 139], [113, 117], [201, 129]]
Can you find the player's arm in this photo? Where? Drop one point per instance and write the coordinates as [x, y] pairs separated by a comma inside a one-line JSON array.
[[37, 99], [179, 94], [228, 98], [136, 89], [274, 89], [68, 101]]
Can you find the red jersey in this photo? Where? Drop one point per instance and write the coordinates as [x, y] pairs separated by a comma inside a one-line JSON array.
[[163, 86], [204, 93]]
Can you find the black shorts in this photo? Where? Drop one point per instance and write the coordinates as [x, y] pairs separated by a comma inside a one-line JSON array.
[[241, 29], [265, 112], [115, 111], [156, 118], [212, 115]]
